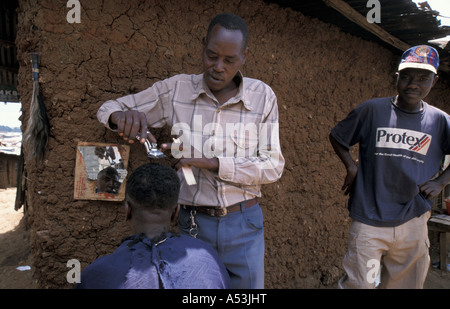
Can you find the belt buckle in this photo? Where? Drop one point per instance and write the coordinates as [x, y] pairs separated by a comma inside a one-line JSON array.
[[221, 212]]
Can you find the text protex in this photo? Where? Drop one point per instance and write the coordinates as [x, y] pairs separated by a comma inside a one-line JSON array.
[[403, 139]]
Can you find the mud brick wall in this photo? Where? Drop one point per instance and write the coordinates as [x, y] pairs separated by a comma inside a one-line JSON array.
[[318, 73]]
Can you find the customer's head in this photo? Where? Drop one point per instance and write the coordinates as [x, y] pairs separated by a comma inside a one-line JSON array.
[[152, 192]]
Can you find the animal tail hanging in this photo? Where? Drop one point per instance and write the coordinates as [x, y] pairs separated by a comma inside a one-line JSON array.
[[37, 130]]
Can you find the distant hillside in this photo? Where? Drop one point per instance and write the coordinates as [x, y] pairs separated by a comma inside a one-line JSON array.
[[9, 129]]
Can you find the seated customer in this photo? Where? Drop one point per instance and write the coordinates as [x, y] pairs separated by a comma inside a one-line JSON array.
[[153, 258]]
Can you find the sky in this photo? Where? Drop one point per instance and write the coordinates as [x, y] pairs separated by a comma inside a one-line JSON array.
[[10, 112]]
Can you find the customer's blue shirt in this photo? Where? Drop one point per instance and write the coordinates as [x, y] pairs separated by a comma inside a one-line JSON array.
[[175, 262]]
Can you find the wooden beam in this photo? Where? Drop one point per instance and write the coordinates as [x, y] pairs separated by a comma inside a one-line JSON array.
[[353, 15]]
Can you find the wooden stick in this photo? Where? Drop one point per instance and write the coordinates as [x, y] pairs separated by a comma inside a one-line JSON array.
[[353, 15]]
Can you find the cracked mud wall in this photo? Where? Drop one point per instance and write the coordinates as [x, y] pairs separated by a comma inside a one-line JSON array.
[[318, 73]]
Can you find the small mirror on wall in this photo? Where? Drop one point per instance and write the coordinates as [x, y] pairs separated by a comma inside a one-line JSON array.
[[101, 171]]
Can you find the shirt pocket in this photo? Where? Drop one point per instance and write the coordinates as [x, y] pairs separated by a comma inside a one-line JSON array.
[[243, 140]]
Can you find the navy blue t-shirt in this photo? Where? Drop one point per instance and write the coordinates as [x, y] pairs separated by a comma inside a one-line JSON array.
[[175, 262], [398, 151]]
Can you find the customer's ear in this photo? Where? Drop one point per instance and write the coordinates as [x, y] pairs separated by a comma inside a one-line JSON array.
[[175, 213], [127, 211]]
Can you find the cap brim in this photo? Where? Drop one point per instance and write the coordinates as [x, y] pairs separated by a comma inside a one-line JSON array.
[[412, 65]]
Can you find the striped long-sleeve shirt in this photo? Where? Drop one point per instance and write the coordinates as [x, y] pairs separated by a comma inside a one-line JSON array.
[[242, 133]]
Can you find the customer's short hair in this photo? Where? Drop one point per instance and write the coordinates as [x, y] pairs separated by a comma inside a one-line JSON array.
[[153, 186]]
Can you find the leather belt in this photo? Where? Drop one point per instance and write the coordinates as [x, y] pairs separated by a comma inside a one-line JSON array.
[[221, 211]]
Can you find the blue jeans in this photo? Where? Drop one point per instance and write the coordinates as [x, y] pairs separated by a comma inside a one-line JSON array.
[[238, 238]]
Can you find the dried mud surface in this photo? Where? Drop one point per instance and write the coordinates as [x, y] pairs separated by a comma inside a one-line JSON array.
[[318, 73]]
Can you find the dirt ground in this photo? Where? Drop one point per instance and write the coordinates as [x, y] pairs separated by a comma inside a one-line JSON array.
[[14, 250], [14, 245]]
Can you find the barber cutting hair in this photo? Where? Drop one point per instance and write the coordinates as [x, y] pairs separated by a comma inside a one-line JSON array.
[[236, 121]]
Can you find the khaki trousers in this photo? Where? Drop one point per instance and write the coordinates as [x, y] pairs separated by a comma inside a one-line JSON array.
[[402, 252]]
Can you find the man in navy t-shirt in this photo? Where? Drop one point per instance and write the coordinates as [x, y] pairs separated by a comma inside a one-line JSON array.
[[402, 141]]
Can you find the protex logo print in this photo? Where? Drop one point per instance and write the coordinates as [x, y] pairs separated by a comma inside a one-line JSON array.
[[403, 139]]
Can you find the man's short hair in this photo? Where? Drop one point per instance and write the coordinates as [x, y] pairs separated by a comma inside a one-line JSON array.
[[153, 186], [230, 22], [109, 171]]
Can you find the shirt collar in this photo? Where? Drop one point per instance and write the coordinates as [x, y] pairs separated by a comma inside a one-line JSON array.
[[240, 96]]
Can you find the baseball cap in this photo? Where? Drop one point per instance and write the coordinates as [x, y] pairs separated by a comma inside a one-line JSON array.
[[420, 57]]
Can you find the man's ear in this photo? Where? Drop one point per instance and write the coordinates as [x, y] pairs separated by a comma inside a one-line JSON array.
[[436, 78], [175, 213], [396, 78], [127, 211], [245, 54]]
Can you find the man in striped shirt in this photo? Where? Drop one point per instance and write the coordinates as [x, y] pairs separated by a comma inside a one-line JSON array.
[[228, 128]]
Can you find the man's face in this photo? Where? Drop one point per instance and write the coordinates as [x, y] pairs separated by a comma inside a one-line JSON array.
[[223, 56], [414, 84], [108, 183]]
